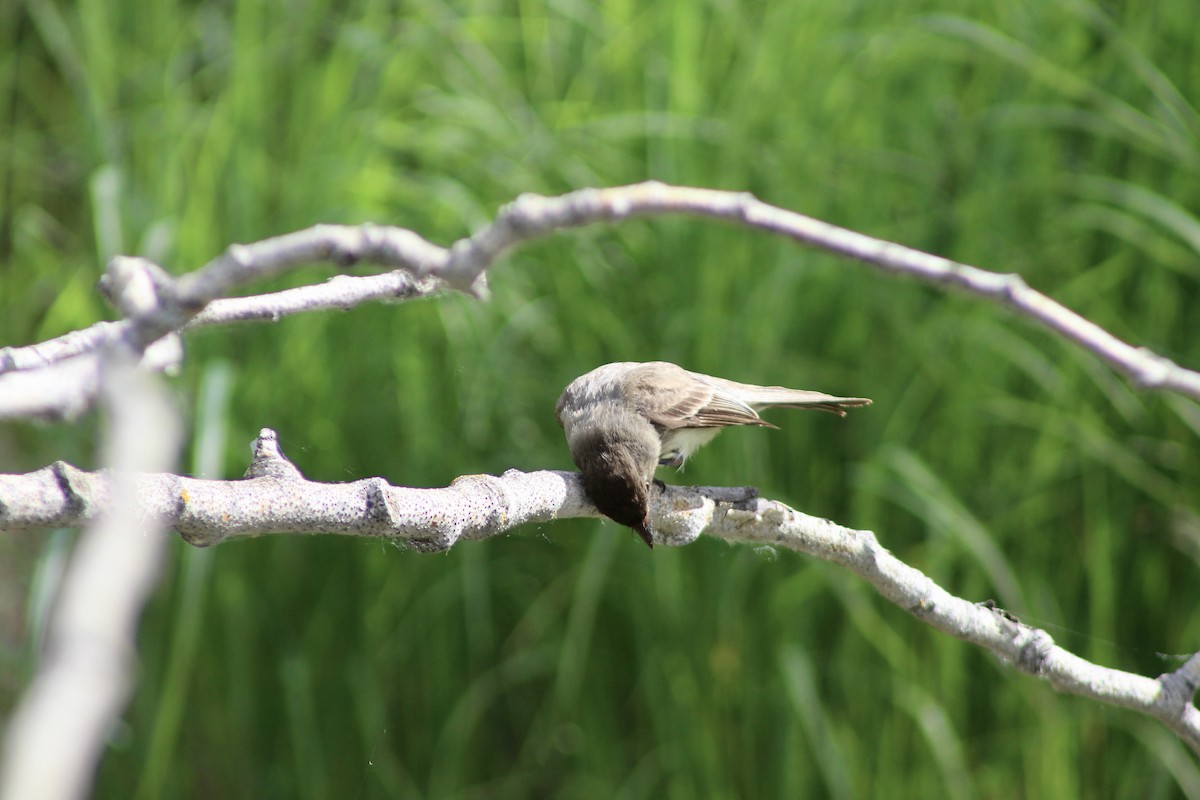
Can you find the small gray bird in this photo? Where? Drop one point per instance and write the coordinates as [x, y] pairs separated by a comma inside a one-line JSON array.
[[625, 419]]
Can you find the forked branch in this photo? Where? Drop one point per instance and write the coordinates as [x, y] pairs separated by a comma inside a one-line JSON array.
[[156, 305]]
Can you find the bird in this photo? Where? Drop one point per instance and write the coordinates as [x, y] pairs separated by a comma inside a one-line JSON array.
[[625, 419]]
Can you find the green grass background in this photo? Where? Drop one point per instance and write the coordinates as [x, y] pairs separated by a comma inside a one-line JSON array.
[[1053, 138]]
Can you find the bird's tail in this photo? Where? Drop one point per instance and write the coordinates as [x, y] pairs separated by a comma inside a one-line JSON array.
[[759, 397], [815, 400]]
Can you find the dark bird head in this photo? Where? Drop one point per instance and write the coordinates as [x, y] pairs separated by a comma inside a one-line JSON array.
[[617, 452]]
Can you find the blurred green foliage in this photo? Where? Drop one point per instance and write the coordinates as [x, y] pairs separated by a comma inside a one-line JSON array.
[[1055, 139]]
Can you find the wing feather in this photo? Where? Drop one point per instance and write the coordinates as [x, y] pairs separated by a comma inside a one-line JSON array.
[[671, 397]]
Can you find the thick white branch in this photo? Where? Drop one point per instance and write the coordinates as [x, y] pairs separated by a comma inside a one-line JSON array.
[[276, 498]]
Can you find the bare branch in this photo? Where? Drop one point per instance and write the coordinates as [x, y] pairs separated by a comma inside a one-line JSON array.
[[57, 379], [60, 348], [276, 498], [155, 304], [65, 389], [341, 292], [1168, 698], [58, 730], [343, 245], [530, 216]]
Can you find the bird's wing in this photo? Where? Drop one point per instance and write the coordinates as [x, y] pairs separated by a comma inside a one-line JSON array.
[[671, 397]]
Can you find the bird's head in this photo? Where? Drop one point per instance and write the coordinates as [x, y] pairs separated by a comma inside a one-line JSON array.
[[617, 452]]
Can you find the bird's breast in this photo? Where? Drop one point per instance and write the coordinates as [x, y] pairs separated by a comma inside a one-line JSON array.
[[679, 444]]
